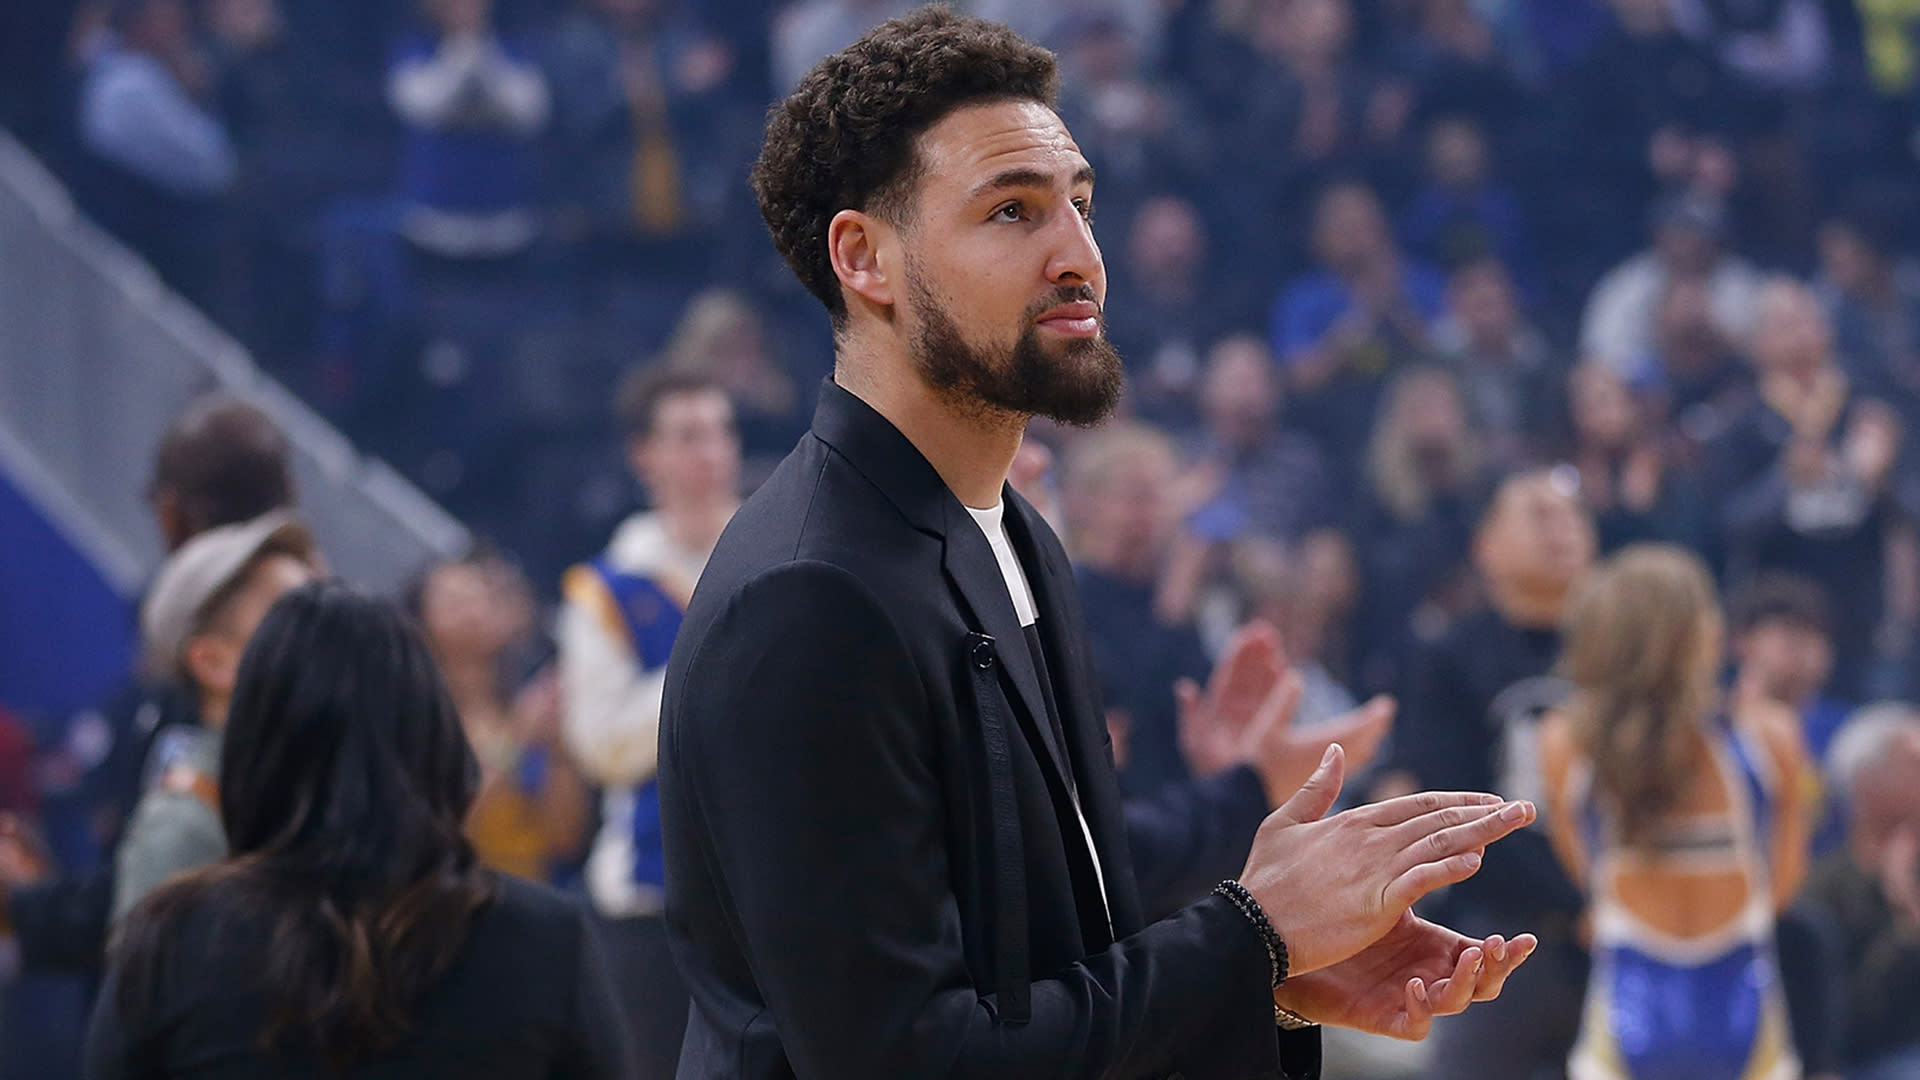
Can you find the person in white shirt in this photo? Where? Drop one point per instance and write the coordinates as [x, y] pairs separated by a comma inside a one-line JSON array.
[[620, 615]]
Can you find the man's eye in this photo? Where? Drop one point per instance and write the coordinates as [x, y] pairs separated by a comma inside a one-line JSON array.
[[1085, 206], [1009, 212]]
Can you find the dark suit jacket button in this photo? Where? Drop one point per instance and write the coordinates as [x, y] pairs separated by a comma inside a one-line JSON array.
[[983, 656]]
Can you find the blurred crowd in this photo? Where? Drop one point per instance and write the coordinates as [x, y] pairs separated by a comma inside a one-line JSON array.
[[1426, 304]]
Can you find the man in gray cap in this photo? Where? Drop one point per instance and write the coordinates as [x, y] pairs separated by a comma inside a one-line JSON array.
[[203, 608]]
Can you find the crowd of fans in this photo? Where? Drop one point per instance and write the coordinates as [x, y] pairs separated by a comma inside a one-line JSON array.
[[1426, 305]]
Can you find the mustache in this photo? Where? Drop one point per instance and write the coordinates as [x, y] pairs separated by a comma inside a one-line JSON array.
[[1066, 294]]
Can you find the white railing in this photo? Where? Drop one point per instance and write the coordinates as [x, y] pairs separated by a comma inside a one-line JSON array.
[[97, 355]]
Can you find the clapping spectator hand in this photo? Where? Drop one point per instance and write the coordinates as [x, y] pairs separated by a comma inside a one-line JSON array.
[[1873, 443], [1246, 714]]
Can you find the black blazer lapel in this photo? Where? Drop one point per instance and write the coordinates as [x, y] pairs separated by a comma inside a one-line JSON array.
[[975, 574], [1060, 623]]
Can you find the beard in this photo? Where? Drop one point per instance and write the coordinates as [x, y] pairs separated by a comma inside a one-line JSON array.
[[1077, 382]]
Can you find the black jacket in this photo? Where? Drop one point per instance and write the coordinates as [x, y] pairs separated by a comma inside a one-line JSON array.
[[873, 866], [527, 998]]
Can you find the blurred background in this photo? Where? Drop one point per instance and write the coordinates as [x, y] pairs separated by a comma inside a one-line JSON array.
[[1368, 258]]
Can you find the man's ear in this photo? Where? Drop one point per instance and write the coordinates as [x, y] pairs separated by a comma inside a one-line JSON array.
[[863, 252]]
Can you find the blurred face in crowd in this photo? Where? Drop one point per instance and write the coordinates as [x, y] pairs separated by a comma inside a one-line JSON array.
[[1686, 250], [1847, 259], [1167, 244], [213, 654], [1350, 229], [1603, 410], [1482, 297], [1101, 52], [1643, 18], [1456, 155], [474, 610], [1536, 541], [458, 17], [161, 27], [1306, 33], [1004, 286], [1788, 659], [629, 12], [1791, 335], [1689, 338], [1433, 417], [1886, 797], [1124, 513], [691, 458], [1240, 397]]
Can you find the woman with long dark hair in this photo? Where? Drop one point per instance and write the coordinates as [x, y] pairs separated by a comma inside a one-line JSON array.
[[351, 931], [1686, 818]]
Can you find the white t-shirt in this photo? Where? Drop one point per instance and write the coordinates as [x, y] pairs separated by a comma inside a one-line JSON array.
[[992, 521]]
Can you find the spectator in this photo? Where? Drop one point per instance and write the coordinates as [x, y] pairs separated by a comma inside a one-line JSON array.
[[1872, 297], [1871, 890], [530, 812], [1140, 132], [1504, 365], [647, 112], [1803, 479], [1464, 214], [1637, 114], [1691, 379], [353, 928], [810, 29], [1308, 593], [1630, 484], [1306, 107], [1272, 481], [160, 160], [1473, 701], [1687, 235], [1123, 515], [620, 614], [1341, 330], [1686, 825], [1413, 527], [472, 104], [1453, 53], [221, 462], [1165, 309], [721, 338], [1143, 21], [195, 626], [1783, 646]]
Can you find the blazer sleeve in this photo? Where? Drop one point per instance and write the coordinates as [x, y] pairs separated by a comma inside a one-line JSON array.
[[802, 734], [1187, 836]]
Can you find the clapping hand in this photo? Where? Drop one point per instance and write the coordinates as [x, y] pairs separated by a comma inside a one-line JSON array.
[[1335, 888], [1246, 715], [1397, 985]]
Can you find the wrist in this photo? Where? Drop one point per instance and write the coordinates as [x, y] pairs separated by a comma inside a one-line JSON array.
[[1285, 1016], [1276, 949]]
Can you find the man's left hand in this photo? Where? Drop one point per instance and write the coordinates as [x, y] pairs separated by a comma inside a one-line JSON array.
[[1397, 985]]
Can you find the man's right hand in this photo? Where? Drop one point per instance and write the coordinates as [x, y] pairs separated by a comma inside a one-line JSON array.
[[1333, 887]]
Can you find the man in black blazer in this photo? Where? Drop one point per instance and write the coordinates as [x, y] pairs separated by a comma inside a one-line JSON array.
[[895, 844]]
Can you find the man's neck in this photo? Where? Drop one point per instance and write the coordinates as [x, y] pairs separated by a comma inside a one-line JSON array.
[[213, 714], [971, 449]]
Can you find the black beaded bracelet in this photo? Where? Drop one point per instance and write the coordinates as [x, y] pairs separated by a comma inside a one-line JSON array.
[[1276, 948]]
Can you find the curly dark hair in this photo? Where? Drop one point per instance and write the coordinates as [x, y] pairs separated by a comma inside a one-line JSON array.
[[845, 138]]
